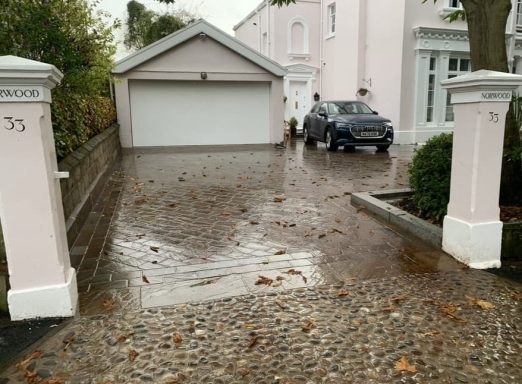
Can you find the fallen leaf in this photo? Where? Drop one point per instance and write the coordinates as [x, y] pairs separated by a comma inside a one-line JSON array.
[[390, 308], [485, 305], [279, 198], [308, 326], [398, 299], [132, 355], [404, 366], [293, 272], [335, 230], [35, 355], [264, 281], [108, 303], [245, 372], [227, 213], [205, 282], [516, 297], [279, 253], [55, 381], [145, 280], [173, 205], [321, 235], [140, 201], [123, 338], [177, 338], [67, 342], [154, 249], [252, 342], [342, 293], [254, 222], [447, 309], [280, 278]]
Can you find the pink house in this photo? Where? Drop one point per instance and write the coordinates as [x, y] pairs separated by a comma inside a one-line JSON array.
[[398, 50]]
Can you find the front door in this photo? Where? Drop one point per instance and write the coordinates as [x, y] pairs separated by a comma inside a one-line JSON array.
[[299, 101]]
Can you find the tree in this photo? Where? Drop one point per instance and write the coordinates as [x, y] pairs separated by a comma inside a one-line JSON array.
[[144, 26], [74, 37], [487, 20]]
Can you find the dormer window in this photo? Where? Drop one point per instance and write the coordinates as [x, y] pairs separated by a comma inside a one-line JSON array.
[[454, 4]]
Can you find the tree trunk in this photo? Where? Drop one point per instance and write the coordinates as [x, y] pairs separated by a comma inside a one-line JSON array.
[[487, 20]]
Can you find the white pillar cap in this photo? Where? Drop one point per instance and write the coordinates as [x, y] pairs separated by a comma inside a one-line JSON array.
[[19, 77], [482, 86]]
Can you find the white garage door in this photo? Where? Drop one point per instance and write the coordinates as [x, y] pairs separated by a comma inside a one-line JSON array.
[[199, 113]]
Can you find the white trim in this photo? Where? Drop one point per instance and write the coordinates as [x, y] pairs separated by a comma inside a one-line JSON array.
[[189, 32], [476, 245], [50, 301], [306, 37]]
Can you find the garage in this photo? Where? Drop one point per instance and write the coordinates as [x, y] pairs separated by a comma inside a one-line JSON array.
[[168, 113], [199, 86]]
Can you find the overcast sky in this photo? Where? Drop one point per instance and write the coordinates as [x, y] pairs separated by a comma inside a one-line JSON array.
[[222, 13]]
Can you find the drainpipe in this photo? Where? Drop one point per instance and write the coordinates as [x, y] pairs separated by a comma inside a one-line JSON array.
[[361, 61], [269, 47], [321, 38]]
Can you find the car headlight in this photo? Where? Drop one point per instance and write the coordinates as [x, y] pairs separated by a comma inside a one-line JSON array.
[[344, 126], [389, 126]]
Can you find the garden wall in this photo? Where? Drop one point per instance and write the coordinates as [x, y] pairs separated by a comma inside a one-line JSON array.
[[88, 169]]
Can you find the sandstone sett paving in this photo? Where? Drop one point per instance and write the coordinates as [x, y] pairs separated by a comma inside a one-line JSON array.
[[169, 259]]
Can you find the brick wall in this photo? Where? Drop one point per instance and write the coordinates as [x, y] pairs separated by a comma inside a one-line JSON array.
[[88, 168]]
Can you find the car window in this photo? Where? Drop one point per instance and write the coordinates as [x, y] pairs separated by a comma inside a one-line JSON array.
[[315, 108], [323, 108], [335, 109], [357, 108]]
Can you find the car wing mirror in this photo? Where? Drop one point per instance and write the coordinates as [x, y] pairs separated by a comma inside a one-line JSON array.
[[323, 114], [375, 112]]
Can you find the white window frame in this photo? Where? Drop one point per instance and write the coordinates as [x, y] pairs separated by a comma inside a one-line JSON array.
[[454, 73], [306, 36], [518, 16], [331, 15], [452, 3]]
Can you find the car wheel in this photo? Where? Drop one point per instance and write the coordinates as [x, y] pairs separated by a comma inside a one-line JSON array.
[[382, 148], [349, 148], [331, 145], [306, 136]]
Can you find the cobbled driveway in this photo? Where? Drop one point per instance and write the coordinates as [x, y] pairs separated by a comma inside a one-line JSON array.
[[249, 265]]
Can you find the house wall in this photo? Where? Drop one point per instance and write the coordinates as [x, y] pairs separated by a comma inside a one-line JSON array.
[[383, 62], [340, 65], [186, 62]]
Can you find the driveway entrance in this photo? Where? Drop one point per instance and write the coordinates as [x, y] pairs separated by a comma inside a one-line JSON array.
[[200, 223]]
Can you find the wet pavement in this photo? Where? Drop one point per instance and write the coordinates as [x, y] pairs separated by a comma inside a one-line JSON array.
[[248, 264]]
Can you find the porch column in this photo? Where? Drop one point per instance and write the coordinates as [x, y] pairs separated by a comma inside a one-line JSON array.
[[472, 230], [42, 282]]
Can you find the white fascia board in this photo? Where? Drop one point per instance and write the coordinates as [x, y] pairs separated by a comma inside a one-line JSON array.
[[188, 33], [251, 14]]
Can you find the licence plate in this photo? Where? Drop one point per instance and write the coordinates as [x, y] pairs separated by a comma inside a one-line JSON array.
[[371, 134]]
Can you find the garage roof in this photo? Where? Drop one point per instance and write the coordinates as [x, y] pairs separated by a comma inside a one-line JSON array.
[[187, 33]]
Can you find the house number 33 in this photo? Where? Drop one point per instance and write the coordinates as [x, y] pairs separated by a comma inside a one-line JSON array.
[[14, 124]]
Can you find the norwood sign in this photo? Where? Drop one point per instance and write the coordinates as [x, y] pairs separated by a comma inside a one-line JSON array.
[[21, 93], [497, 96]]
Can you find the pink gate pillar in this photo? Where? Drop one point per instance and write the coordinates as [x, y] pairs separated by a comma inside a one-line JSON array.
[[472, 228], [43, 284]]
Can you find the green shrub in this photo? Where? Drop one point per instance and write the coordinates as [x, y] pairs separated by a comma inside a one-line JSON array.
[[430, 176], [293, 123], [77, 118]]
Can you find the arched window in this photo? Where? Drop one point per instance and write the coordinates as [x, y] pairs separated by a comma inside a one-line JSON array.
[[298, 37]]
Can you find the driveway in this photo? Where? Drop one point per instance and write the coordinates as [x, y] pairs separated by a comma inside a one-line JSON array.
[[170, 258], [191, 224]]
